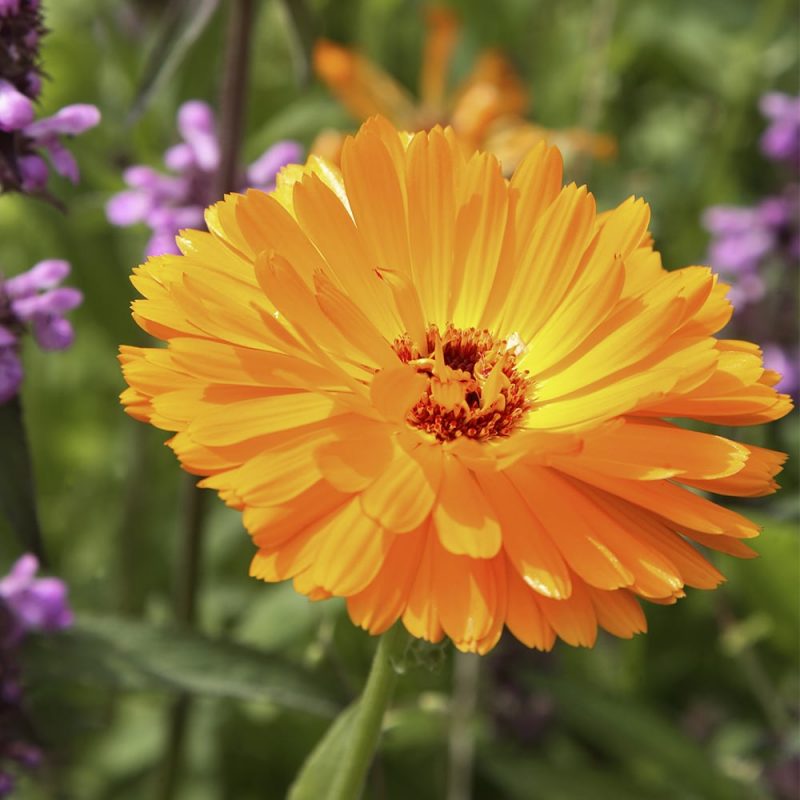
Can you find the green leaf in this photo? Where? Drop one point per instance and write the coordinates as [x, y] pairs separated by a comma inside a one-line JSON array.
[[17, 493], [521, 778], [769, 584], [301, 119], [182, 25], [640, 738], [314, 779], [118, 652]]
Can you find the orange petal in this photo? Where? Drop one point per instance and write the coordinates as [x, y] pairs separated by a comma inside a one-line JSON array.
[[377, 607], [465, 522], [530, 551], [402, 497]]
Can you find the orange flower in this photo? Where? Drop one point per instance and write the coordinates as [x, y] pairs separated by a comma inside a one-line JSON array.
[[441, 394], [486, 111]]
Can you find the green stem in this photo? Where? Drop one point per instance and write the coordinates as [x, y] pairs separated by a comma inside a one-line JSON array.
[[461, 741], [366, 728]]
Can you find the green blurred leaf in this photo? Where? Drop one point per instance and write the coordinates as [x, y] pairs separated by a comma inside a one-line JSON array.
[[415, 728], [17, 492], [183, 23], [644, 741], [314, 778], [114, 651], [770, 583], [520, 778]]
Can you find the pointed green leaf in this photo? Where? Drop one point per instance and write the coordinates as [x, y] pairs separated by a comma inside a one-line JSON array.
[[182, 25], [315, 776], [635, 734], [118, 652]]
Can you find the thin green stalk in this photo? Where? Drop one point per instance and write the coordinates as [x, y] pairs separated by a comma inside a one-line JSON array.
[[461, 740], [600, 35], [233, 99], [365, 732]]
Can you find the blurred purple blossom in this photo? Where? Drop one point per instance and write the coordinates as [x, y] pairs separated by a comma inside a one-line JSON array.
[[756, 249], [27, 604], [784, 360], [33, 301], [166, 203], [24, 140], [36, 604], [781, 140]]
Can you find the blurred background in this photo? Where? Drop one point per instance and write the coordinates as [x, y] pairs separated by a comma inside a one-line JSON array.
[[704, 706]]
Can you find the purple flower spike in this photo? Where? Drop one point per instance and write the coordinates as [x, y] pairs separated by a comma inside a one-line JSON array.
[[262, 172], [33, 302], [16, 110], [785, 362], [53, 333], [196, 125], [40, 277], [128, 208], [50, 304], [757, 248], [38, 604], [27, 603], [10, 374], [167, 203], [69, 121], [781, 140], [23, 139], [33, 170]]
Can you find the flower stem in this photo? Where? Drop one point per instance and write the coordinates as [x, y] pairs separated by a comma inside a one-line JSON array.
[[365, 732], [466, 679]]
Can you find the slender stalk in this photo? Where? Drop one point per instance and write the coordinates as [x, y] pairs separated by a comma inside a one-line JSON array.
[[302, 23], [466, 677], [233, 98], [755, 674], [601, 31], [349, 780]]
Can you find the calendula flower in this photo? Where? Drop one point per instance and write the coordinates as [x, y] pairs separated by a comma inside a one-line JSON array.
[[442, 394], [486, 110]]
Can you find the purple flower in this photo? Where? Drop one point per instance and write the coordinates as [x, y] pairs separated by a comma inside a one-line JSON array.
[[785, 362], [24, 140], [167, 203], [16, 110], [781, 140], [33, 301], [27, 603], [740, 239], [757, 249], [37, 604]]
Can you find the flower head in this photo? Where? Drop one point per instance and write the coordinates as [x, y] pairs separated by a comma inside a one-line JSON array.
[[23, 138], [442, 394], [167, 203], [33, 301], [486, 111]]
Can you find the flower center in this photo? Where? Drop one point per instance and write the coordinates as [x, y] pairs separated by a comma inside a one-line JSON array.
[[474, 388]]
